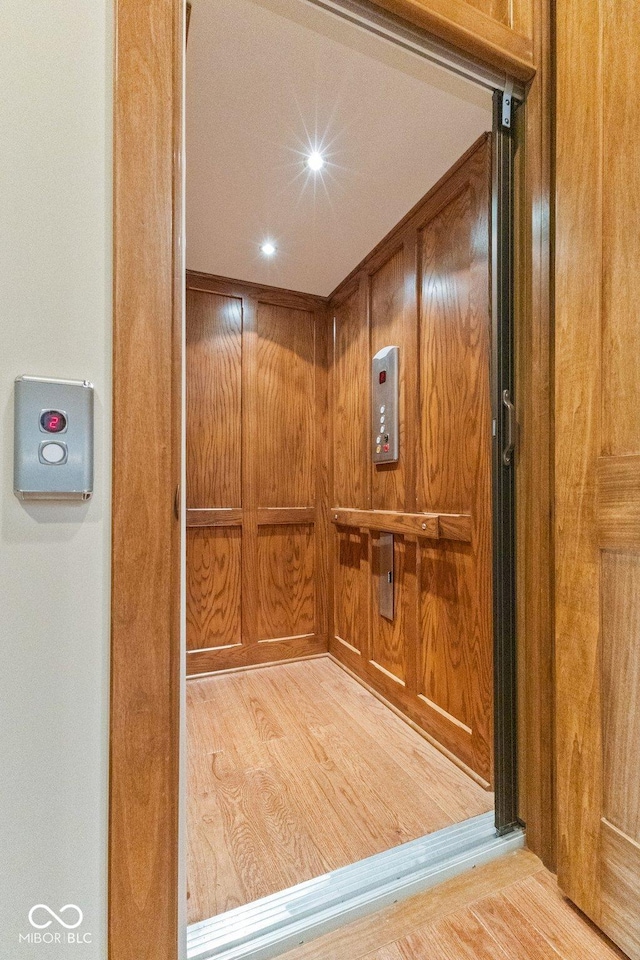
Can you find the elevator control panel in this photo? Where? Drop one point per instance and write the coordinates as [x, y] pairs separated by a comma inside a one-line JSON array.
[[385, 371], [53, 439]]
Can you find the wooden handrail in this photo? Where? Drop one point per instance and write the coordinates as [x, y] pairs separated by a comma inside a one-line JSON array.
[[433, 526]]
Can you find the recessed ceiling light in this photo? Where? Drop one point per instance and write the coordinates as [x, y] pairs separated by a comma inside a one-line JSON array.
[[315, 161], [268, 248]]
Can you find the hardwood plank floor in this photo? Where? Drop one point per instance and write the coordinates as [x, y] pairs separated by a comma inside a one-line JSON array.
[[510, 909], [295, 770]]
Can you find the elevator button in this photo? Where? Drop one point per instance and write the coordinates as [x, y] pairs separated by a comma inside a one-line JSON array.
[[386, 448], [382, 408], [53, 453]]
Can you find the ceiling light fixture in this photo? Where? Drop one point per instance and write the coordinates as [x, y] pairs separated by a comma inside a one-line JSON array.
[[315, 161], [268, 248]]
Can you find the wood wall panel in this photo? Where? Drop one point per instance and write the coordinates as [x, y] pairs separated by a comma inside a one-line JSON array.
[[621, 689], [213, 390], [387, 327], [597, 587], [214, 578], [454, 324], [285, 581], [455, 668], [428, 286], [284, 456], [350, 588], [257, 558], [350, 402]]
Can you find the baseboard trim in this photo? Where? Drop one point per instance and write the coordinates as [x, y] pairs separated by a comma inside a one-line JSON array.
[[257, 666], [269, 927]]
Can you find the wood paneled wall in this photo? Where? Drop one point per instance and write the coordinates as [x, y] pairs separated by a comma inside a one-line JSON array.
[[256, 474], [269, 451], [426, 288], [597, 464]]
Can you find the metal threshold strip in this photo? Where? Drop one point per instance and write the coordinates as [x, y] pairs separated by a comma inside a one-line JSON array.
[[270, 926], [384, 24]]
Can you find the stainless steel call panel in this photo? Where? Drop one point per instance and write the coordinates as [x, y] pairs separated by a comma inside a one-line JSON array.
[[385, 574], [385, 370], [53, 439]]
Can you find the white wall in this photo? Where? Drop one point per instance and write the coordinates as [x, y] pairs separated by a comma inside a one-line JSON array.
[[55, 302]]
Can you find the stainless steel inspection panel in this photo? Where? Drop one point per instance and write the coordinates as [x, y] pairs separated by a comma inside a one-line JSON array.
[[53, 439], [385, 370]]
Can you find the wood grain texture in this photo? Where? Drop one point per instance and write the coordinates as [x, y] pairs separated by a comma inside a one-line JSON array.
[[533, 329], [597, 588], [620, 664], [440, 250], [217, 517], [145, 546], [350, 400], [285, 582], [510, 908], [272, 516], [388, 322], [432, 526], [455, 672], [257, 378], [620, 887], [455, 327], [295, 770], [245, 656], [620, 284], [473, 30], [499, 10], [619, 501], [213, 389], [214, 577], [352, 575], [579, 248], [284, 455]]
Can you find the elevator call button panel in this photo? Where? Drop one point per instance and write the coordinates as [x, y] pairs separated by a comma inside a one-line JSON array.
[[53, 439], [385, 371]]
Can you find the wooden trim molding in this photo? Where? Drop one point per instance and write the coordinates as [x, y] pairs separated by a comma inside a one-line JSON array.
[[534, 336], [471, 30], [143, 892]]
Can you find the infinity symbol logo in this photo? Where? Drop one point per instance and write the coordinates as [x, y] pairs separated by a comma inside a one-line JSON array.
[[47, 923]]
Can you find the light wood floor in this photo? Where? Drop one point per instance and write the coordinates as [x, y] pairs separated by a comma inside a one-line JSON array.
[[295, 770], [510, 909]]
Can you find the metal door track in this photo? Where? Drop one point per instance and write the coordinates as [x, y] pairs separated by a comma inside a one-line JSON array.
[[270, 926]]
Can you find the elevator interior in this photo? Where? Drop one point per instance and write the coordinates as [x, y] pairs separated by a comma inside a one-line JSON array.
[[339, 513]]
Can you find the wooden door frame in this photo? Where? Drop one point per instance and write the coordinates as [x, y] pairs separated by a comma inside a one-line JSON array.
[[143, 892]]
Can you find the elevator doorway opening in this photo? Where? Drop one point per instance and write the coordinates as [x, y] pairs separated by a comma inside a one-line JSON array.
[[349, 605]]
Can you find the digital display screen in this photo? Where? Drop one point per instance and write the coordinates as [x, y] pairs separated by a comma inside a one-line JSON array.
[[382, 377], [53, 421]]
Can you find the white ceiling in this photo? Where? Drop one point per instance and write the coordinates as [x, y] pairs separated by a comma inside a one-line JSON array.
[[269, 80]]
